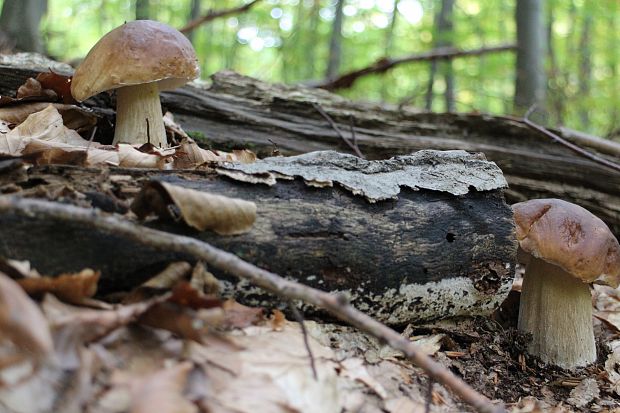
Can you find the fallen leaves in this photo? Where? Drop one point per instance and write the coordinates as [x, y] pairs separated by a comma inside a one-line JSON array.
[[72, 288], [200, 210]]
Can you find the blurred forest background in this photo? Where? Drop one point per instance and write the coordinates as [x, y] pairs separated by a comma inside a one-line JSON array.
[[574, 43]]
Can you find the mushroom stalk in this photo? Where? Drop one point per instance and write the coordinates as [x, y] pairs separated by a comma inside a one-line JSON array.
[[556, 309], [138, 115]]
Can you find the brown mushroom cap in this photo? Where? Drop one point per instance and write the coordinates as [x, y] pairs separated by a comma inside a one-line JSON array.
[[570, 237], [137, 52]]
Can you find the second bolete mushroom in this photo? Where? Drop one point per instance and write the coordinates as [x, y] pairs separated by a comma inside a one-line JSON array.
[[138, 59], [568, 248]]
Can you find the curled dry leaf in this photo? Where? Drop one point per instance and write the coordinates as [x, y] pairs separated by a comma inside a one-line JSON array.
[[73, 116], [33, 89], [189, 155], [73, 288], [163, 281], [23, 324], [241, 316], [132, 157], [200, 210], [59, 84], [202, 280]]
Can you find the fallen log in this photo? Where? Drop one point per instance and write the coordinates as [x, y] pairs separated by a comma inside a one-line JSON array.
[[238, 111], [407, 239]]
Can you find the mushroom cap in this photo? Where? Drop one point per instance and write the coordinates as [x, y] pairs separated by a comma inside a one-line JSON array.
[[570, 237], [137, 52]]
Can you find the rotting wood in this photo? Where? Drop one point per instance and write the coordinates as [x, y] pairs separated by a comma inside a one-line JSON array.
[[238, 111], [445, 249]]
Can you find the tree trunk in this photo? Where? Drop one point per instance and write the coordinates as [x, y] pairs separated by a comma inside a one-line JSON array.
[[20, 20], [335, 44], [237, 111], [585, 70], [440, 250], [143, 9], [531, 82], [194, 13], [389, 40], [443, 38]]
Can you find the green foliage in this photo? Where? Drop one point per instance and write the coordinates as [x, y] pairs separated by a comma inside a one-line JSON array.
[[287, 40]]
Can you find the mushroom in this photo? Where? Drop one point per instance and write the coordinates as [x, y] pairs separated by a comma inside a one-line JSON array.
[[139, 59], [567, 248]]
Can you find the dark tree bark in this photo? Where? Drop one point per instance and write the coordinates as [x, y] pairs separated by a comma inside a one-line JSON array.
[[20, 20], [335, 44], [143, 9], [531, 81]]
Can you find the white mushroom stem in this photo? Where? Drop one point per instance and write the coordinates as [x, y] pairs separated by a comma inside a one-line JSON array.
[[556, 308], [138, 115]]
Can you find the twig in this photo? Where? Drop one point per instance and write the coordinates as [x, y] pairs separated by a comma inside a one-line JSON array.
[[215, 14], [386, 63], [300, 319], [429, 396], [230, 263], [577, 149], [328, 118]]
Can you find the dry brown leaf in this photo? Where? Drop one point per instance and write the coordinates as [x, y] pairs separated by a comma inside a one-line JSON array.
[[201, 210], [73, 116], [163, 281], [242, 156], [72, 288], [131, 157], [202, 280], [184, 294], [174, 127], [189, 155], [277, 320], [241, 316], [59, 84], [162, 392], [23, 324], [183, 321], [32, 89]]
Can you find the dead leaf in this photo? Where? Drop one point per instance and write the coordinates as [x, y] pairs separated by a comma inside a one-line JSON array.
[[72, 288], [240, 316], [74, 117], [33, 89], [183, 321], [277, 320], [584, 393], [131, 157], [612, 367], [428, 345], [403, 405], [184, 294], [354, 369], [202, 280], [200, 210], [189, 155], [162, 392], [160, 283], [23, 324], [59, 84], [174, 127]]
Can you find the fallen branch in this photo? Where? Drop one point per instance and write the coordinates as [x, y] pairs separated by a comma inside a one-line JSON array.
[[573, 147], [215, 14], [288, 290], [385, 63], [352, 145]]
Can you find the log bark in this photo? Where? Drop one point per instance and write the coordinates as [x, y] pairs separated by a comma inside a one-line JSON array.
[[424, 254], [237, 111]]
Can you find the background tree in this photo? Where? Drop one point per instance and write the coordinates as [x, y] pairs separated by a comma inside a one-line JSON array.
[[531, 80], [20, 20], [335, 43], [444, 33]]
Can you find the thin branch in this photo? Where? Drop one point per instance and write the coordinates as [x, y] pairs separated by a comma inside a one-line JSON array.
[[336, 304], [352, 145], [386, 63], [300, 319], [216, 14], [577, 149]]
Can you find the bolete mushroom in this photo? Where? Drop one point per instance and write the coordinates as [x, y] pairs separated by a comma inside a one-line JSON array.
[[139, 59], [567, 248]]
